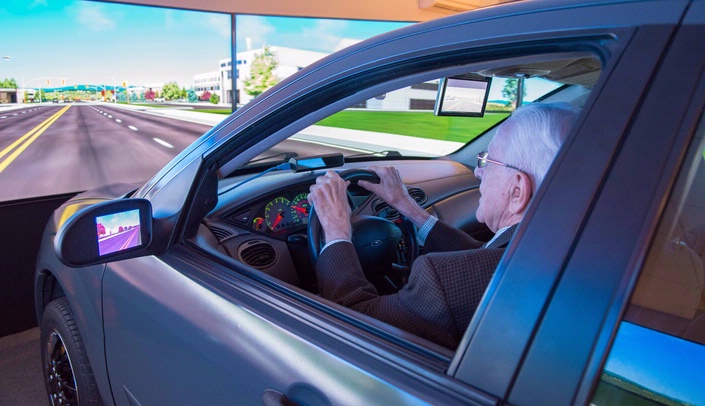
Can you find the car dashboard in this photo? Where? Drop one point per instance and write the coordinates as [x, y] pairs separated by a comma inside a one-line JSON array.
[[262, 222]]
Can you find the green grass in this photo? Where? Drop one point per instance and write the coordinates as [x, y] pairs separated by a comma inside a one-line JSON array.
[[411, 123], [416, 124]]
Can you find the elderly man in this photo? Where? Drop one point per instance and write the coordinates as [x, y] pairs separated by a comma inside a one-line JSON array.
[[447, 282]]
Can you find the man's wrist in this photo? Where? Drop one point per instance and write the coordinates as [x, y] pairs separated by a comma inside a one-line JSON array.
[[331, 242]]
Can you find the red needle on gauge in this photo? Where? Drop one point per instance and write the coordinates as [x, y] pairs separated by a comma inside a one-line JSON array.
[[280, 216], [300, 209]]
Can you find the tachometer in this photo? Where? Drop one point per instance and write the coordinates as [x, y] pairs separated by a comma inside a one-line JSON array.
[[277, 214], [300, 208]]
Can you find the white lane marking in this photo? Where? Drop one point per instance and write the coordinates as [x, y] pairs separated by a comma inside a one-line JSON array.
[[118, 120], [109, 116], [15, 114], [162, 142], [105, 114], [132, 128], [3, 117]]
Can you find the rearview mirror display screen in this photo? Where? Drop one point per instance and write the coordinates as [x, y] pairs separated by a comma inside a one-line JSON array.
[[118, 231], [464, 95]]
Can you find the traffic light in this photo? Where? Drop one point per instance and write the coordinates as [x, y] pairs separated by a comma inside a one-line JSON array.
[[102, 92], [124, 84]]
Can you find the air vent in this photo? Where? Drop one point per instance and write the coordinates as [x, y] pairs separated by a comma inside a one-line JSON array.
[[418, 195], [220, 233], [382, 209], [257, 253]]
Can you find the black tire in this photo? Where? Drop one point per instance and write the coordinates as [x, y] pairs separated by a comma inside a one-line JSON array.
[[68, 376]]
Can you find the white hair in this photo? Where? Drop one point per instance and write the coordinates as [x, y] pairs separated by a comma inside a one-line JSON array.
[[531, 136]]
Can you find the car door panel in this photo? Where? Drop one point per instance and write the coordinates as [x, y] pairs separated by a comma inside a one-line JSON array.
[[178, 338]]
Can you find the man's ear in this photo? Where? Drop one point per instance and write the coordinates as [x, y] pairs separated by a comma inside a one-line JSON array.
[[520, 193]]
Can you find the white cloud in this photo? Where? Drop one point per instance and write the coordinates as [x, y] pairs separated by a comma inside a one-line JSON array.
[[325, 34], [220, 24], [93, 17], [256, 29], [37, 3]]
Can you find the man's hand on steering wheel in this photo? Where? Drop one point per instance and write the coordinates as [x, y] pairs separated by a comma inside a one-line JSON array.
[[329, 196], [393, 191]]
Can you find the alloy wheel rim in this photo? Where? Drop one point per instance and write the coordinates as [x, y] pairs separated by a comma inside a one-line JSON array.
[[60, 380]]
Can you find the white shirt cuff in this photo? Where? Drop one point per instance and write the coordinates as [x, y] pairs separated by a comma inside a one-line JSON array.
[[423, 232], [331, 242]]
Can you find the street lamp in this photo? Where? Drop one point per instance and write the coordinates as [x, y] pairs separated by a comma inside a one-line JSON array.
[[24, 84]]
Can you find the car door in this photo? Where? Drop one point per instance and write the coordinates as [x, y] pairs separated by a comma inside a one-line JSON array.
[[187, 327], [568, 345]]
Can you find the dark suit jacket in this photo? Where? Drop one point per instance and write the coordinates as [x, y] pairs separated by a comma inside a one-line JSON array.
[[444, 289]]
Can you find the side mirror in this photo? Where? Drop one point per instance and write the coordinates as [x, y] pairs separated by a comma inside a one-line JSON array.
[[105, 232], [463, 95]]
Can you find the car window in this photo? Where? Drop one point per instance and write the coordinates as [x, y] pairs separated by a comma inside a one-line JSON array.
[[659, 350], [402, 123], [261, 220]]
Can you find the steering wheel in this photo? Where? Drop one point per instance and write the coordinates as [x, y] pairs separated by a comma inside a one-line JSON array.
[[376, 241]]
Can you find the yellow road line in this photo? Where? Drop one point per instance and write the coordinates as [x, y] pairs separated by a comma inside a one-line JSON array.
[[29, 134], [28, 139]]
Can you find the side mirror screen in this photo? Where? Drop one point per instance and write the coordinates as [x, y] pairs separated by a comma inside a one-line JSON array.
[[105, 232], [462, 95], [118, 231]]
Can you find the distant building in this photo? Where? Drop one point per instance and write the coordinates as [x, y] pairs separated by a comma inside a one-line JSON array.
[[220, 82], [9, 95], [418, 97], [211, 82]]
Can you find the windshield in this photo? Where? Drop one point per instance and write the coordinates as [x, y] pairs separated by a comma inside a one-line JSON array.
[[402, 123]]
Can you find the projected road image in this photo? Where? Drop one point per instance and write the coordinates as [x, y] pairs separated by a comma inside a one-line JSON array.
[[119, 231]]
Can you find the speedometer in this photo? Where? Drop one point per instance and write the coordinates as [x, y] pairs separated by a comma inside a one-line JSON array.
[[277, 214], [300, 208]]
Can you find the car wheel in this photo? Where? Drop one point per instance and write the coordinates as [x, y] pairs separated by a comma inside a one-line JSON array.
[[67, 373]]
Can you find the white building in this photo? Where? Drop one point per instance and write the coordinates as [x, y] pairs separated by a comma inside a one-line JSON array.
[[211, 82], [290, 61]]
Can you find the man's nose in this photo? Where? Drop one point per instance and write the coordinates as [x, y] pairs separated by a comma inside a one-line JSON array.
[[479, 171]]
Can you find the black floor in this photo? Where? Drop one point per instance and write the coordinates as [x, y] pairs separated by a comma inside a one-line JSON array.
[[21, 382]]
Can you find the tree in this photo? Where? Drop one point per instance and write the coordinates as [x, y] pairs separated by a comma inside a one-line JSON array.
[[262, 73], [149, 95], [205, 96], [511, 88], [215, 98], [8, 84], [191, 96], [171, 91]]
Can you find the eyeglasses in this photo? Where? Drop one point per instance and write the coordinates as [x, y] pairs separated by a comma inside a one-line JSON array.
[[482, 161]]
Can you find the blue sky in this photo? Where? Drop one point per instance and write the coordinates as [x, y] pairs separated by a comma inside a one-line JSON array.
[[93, 42], [86, 42]]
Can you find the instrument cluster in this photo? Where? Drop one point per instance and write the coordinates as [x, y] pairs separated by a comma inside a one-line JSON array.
[[278, 215]]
